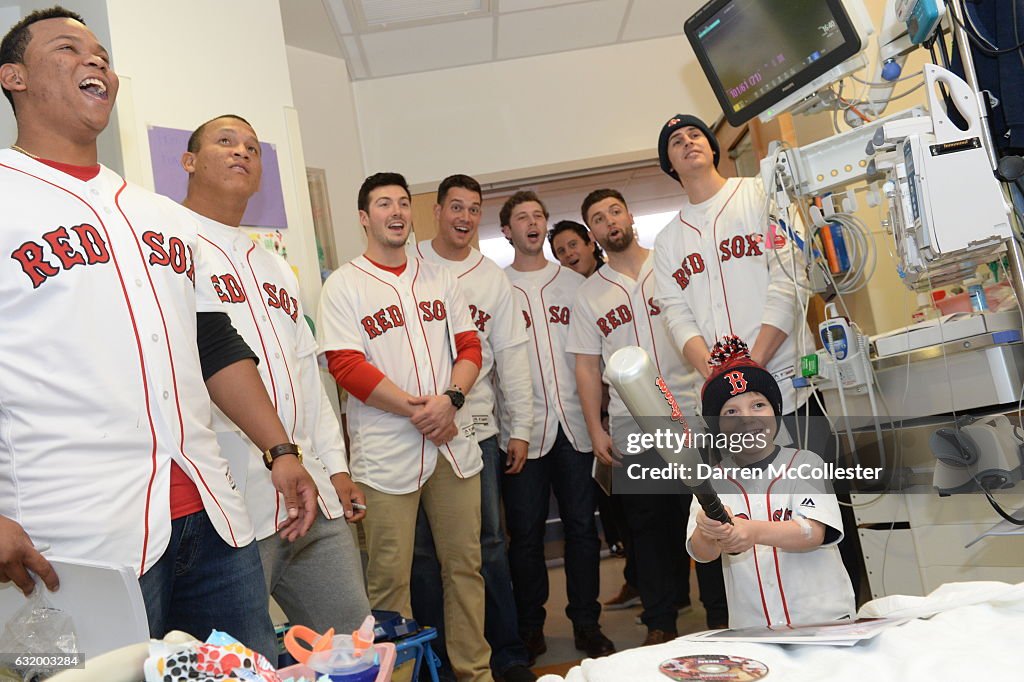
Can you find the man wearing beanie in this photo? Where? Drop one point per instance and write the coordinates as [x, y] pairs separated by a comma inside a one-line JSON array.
[[779, 555], [716, 273], [723, 267]]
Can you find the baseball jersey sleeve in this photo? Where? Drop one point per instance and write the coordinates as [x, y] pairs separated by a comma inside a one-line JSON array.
[[678, 315], [458, 309], [783, 299], [691, 527], [339, 321], [584, 337], [508, 327], [513, 368], [813, 498], [207, 300]]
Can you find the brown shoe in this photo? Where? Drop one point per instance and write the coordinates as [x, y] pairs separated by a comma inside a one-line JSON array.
[[591, 640], [626, 598], [659, 637], [535, 644]]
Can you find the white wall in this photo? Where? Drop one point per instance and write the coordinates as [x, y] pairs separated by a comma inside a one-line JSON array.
[[330, 139], [185, 62], [526, 117], [95, 14]]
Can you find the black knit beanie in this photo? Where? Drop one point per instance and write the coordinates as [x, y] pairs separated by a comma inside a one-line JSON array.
[[675, 123]]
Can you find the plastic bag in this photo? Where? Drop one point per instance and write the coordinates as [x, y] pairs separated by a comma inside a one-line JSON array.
[[38, 627]]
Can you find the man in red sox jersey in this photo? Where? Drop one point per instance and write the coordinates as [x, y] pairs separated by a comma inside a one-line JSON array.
[[399, 338], [318, 580], [715, 270], [502, 333], [106, 451], [615, 308], [560, 458], [722, 267]]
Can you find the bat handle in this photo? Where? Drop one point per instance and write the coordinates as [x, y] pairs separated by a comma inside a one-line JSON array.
[[712, 506]]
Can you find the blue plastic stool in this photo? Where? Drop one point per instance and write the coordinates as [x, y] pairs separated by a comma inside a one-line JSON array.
[[417, 647]]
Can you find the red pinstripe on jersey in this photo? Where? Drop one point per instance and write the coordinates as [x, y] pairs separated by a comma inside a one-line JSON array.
[[170, 357], [138, 345], [412, 353]]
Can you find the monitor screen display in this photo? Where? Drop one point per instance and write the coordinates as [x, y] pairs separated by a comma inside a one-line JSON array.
[[756, 52]]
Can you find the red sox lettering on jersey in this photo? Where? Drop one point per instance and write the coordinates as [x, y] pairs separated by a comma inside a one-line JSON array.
[[717, 274], [98, 278], [731, 248], [546, 298], [502, 335], [405, 325], [56, 251], [256, 283], [612, 310]]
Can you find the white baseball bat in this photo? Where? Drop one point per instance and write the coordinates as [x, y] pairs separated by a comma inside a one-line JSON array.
[[649, 400]]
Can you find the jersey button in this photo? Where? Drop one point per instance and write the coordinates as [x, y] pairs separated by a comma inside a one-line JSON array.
[[138, 282], [155, 338], [277, 355], [166, 395], [287, 397], [107, 210]]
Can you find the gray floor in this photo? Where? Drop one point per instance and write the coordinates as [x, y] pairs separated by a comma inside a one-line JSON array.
[[620, 626]]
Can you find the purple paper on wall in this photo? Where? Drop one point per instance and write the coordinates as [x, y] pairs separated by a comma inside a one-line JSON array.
[[266, 207]]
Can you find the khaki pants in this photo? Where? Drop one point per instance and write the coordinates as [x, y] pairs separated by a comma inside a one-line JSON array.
[[452, 506]]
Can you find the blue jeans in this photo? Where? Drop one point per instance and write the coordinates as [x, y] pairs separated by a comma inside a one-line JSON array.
[[567, 472], [201, 583], [500, 626]]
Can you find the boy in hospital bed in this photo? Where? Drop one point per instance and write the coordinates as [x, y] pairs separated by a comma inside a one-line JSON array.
[[779, 554]]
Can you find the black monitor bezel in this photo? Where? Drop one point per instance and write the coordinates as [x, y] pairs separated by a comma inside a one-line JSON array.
[[850, 47]]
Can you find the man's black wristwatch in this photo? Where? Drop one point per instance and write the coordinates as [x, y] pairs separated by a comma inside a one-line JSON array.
[[270, 454], [457, 397]]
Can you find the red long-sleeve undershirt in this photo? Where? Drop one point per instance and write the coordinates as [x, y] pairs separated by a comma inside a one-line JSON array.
[[359, 377]]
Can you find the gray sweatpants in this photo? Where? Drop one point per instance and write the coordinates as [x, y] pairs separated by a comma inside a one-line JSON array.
[[318, 579]]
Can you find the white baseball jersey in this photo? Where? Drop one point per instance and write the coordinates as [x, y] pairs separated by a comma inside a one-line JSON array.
[[766, 585], [612, 311], [261, 294], [716, 275], [100, 382], [405, 325], [500, 326], [546, 297]]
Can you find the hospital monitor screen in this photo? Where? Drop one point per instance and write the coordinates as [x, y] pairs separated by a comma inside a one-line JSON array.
[[758, 52]]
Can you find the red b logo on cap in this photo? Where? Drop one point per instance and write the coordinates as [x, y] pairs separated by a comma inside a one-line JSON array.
[[737, 381]]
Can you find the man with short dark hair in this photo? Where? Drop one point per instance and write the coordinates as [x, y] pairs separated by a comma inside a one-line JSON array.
[[106, 397], [560, 458], [572, 246], [399, 338], [502, 335], [317, 580], [615, 308]]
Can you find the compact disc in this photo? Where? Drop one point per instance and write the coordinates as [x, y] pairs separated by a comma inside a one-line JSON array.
[[714, 668]]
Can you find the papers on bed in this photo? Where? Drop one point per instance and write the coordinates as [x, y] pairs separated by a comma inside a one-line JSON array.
[[840, 633]]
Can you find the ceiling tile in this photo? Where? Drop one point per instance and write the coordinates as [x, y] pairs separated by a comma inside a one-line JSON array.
[[307, 25], [520, 5], [557, 29], [425, 48], [383, 12], [657, 18]]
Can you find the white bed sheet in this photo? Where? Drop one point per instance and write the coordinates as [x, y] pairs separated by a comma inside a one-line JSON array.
[[961, 631]]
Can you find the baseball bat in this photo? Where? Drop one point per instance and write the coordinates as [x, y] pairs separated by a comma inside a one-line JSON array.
[[649, 400]]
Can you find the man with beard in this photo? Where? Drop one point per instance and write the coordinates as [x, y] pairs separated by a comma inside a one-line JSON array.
[[613, 309]]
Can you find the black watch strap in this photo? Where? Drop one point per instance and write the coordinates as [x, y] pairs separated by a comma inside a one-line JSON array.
[[457, 397]]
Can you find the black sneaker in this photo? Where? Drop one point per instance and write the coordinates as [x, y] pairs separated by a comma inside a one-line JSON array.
[[591, 640], [535, 643]]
